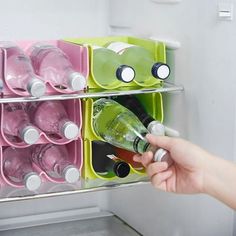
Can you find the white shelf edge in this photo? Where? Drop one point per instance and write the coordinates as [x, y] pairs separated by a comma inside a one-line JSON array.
[[52, 218]]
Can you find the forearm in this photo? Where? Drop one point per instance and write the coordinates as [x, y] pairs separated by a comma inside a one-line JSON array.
[[220, 180]]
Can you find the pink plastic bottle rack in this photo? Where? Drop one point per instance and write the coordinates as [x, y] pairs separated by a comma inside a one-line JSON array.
[[73, 109], [77, 54]]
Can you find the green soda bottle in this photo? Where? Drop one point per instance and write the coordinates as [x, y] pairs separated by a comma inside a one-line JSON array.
[[143, 61], [120, 127], [108, 70]]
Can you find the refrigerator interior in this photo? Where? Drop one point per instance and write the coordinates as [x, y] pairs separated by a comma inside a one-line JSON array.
[[201, 47]]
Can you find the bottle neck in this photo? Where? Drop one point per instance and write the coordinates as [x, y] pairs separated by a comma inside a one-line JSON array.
[[117, 166], [140, 144], [134, 105]]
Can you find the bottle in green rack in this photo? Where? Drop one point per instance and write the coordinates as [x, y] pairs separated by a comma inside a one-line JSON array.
[[105, 161], [108, 69], [120, 127], [143, 61]]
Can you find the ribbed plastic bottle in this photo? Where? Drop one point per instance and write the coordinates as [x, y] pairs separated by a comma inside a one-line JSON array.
[[17, 167], [16, 123], [143, 62], [120, 127], [53, 65], [105, 161], [19, 72], [52, 118], [54, 160], [108, 69]]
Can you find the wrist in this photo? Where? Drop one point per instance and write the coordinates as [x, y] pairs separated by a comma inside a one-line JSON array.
[[215, 181]]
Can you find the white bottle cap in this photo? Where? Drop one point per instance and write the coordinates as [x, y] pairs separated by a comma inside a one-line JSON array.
[[70, 130], [162, 155], [160, 71], [32, 181], [125, 73], [156, 128], [36, 88], [76, 81], [29, 134], [71, 174]]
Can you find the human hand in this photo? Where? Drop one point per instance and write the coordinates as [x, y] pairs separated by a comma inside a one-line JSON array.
[[185, 175]]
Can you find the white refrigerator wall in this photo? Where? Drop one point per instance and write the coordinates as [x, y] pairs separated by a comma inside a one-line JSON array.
[[54, 19], [204, 113]]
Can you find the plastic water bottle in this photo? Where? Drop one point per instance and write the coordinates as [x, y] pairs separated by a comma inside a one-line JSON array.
[[17, 167], [53, 65], [154, 126], [108, 69], [52, 118], [143, 62], [54, 160], [105, 161], [19, 71], [120, 127], [16, 123]]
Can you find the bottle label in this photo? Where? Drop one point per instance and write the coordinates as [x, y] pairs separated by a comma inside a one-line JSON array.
[[137, 141], [119, 47], [112, 157]]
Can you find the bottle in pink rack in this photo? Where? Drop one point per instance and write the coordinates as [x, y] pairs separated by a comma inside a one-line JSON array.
[[17, 167], [54, 160], [51, 63], [52, 118], [19, 71], [16, 124]]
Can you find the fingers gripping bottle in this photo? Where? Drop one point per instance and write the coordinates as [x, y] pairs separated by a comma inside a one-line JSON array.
[[17, 166], [16, 123], [143, 61], [105, 160], [120, 127], [19, 72], [53, 65], [52, 118], [54, 160], [108, 69]]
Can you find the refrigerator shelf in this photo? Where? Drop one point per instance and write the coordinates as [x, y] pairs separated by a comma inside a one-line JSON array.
[[79, 221], [10, 194], [93, 93]]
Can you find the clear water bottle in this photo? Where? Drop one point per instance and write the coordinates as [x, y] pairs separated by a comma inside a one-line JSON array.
[[105, 161], [143, 62], [16, 123], [17, 167], [108, 69], [52, 118], [19, 71], [53, 65], [120, 127], [54, 160]]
